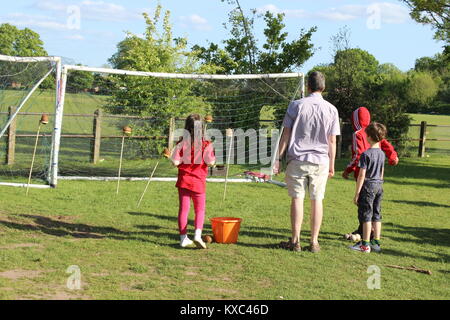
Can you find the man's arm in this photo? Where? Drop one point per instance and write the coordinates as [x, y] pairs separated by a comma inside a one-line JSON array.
[[359, 184], [284, 142], [331, 154]]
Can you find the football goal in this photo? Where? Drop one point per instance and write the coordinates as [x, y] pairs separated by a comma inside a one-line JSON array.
[[109, 124]]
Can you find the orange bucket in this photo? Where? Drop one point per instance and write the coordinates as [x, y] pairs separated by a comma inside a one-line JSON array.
[[226, 230]]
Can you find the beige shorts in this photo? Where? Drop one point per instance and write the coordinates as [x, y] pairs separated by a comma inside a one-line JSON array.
[[302, 176]]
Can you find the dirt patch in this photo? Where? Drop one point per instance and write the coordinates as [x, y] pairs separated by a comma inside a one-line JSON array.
[[58, 295], [19, 274]]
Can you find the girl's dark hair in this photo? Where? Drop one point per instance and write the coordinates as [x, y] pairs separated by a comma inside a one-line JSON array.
[[194, 122], [376, 131]]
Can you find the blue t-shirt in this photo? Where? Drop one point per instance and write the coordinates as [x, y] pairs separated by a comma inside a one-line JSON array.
[[373, 161]]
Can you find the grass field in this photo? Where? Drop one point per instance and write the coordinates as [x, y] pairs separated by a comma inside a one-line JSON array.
[[126, 253], [432, 148]]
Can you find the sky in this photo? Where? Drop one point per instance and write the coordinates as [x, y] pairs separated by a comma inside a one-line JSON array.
[[87, 31]]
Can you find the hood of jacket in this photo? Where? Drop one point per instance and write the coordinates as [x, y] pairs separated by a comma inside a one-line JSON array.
[[360, 118]]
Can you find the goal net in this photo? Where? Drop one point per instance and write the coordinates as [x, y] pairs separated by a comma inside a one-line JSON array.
[[27, 91], [95, 104]]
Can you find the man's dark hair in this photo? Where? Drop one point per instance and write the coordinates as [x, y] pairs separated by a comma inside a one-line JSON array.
[[316, 81], [376, 131]]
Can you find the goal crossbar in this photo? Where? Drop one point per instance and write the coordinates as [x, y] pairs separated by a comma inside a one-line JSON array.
[[184, 75]]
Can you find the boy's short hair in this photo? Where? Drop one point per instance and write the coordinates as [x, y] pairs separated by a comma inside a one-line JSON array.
[[376, 131], [316, 81]]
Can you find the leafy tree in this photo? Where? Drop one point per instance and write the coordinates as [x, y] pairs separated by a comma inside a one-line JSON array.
[[242, 54], [355, 78], [435, 12], [23, 43], [79, 81], [439, 67], [157, 51], [421, 91]]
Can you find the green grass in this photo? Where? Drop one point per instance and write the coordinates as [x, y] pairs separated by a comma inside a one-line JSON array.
[[129, 253], [432, 148]]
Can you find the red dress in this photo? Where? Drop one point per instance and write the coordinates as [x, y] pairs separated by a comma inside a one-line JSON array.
[[193, 170]]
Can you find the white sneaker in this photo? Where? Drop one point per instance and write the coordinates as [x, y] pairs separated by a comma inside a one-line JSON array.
[[186, 242], [199, 243]]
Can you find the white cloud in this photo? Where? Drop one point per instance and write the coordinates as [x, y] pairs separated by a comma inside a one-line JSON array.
[[290, 13], [77, 37], [39, 21], [390, 13], [93, 10], [196, 22]]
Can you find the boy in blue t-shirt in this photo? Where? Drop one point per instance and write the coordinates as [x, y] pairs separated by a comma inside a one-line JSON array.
[[369, 189]]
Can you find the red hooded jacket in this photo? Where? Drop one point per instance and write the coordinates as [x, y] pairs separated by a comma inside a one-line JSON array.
[[360, 121]]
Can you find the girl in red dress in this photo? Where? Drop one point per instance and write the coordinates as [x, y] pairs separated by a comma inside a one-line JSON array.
[[192, 155]]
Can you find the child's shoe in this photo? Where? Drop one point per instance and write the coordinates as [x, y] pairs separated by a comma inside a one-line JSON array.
[[185, 242], [360, 247], [375, 247], [199, 243], [198, 239]]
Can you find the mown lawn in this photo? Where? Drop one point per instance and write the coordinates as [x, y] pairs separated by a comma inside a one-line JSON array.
[[129, 253]]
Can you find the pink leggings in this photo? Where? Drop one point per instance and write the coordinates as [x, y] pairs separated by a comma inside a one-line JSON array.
[[199, 200]]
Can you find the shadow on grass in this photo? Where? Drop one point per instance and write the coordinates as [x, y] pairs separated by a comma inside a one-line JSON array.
[[422, 235], [59, 228], [420, 203]]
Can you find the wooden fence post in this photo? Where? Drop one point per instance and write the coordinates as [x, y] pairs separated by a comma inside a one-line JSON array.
[[423, 137], [11, 138], [339, 142], [171, 133], [97, 128]]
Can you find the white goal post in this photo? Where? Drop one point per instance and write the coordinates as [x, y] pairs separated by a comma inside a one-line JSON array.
[[57, 67], [60, 108], [61, 72]]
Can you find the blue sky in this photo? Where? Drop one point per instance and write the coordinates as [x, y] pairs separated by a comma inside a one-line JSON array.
[[383, 28]]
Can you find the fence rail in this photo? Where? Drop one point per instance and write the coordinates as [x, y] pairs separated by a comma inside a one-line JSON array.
[[97, 136]]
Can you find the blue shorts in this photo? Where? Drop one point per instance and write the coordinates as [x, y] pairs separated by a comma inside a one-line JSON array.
[[369, 202]]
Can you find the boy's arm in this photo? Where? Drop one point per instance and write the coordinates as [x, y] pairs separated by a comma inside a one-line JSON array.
[[331, 154], [359, 184], [390, 152]]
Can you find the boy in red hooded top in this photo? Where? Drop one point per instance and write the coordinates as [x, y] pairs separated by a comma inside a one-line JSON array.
[[360, 121]]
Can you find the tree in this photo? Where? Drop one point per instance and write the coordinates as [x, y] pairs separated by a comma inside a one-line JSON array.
[[79, 81], [24, 43], [421, 90], [241, 54], [355, 78], [435, 12], [21, 43], [157, 51]]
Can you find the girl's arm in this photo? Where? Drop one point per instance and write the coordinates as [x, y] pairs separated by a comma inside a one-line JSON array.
[[209, 156], [176, 154], [359, 184]]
